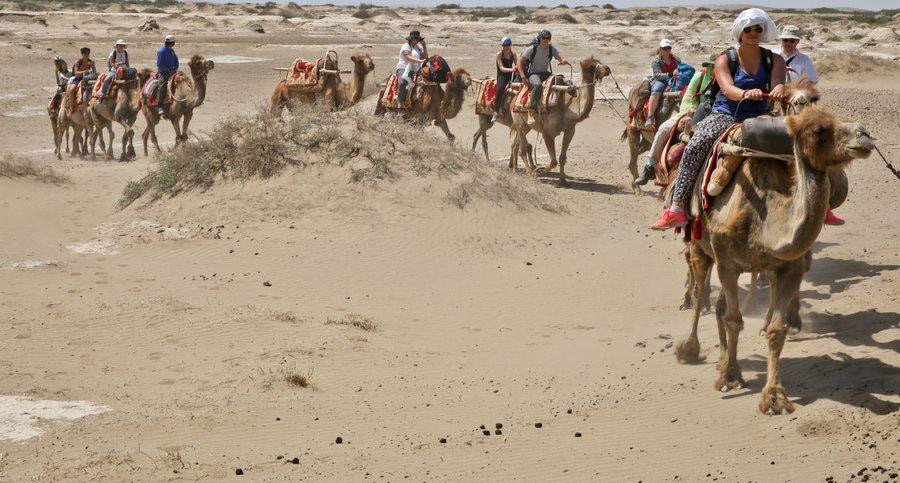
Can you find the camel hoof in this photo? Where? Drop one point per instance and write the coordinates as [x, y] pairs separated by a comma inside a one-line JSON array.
[[563, 183], [687, 351], [730, 379], [774, 402]]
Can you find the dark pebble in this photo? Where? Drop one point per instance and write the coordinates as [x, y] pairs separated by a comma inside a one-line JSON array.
[[487, 432], [499, 425], [296, 461], [267, 284], [443, 440], [239, 472], [568, 411], [279, 457], [481, 427], [277, 419], [339, 440], [538, 425], [577, 435], [498, 432], [527, 263]]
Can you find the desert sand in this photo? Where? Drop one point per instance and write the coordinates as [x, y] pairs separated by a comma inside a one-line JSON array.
[[339, 323]]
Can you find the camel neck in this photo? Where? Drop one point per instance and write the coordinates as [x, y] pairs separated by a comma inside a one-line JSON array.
[[586, 98], [795, 222], [357, 85], [453, 100]]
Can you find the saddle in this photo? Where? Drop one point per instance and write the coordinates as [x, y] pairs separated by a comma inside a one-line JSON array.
[[487, 94], [389, 99], [549, 96], [667, 168], [304, 75], [148, 93], [112, 92], [75, 95]]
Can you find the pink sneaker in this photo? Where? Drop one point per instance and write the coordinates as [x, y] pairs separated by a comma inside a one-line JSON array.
[[670, 219], [832, 219]]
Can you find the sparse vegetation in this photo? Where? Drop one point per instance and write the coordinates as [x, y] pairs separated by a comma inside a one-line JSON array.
[[609, 6], [361, 322], [299, 379], [853, 63], [363, 14], [446, 6], [12, 167]]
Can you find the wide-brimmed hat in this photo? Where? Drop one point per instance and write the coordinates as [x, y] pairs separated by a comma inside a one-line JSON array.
[[121, 42], [711, 62], [414, 35], [665, 43], [790, 32]]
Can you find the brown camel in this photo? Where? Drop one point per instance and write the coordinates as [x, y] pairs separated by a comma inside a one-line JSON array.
[[484, 120], [559, 119], [121, 107], [340, 95], [287, 96], [82, 124], [436, 103], [640, 138], [186, 97], [766, 220]]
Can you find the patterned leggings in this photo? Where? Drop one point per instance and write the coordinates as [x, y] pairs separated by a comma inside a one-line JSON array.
[[706, 134]]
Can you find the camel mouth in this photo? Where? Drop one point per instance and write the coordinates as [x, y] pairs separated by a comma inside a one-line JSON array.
[[860, 151]]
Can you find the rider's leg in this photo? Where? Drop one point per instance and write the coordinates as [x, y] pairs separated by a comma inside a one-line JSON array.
[[656, 90]]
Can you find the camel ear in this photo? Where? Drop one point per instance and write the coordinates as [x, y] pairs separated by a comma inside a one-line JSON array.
[[353, 58]]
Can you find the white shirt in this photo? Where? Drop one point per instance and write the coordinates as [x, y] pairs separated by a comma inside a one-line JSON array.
[[415, 53], [801, 65]]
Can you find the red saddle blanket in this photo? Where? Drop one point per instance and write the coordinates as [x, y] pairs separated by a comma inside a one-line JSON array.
[[148, 93], [303, 73], [389, 99], [487, 94], [522, 100]]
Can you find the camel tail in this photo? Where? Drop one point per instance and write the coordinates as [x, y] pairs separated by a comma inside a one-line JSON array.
[[624, 134]]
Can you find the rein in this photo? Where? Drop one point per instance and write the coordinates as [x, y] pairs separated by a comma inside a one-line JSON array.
[[888, 164]]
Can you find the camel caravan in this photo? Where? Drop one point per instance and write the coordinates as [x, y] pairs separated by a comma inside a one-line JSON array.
[[748, 165]]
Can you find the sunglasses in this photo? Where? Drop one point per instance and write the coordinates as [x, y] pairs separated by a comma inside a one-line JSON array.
[[789, 41], [667, 48], [755, 28]]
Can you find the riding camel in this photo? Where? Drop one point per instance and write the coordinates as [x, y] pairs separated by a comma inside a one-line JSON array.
[[559, 119], [340, 95], [640, 138], [286, 95], [187, 96], [80, 120], [485, 123], [436, 103], [122, 108], [766, 220]]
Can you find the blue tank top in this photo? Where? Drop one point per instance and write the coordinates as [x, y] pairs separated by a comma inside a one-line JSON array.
[[748, 109]]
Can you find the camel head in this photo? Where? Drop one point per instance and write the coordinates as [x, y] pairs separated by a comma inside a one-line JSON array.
[[143, 75], [459, 80], [592, 70], [827, 142], [801, 93], [362, 62], [200, 66]]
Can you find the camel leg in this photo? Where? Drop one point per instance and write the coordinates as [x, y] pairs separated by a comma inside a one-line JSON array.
[[187, 121], [787, 288], [729, 373], [177, 127], [688, 350], [77, 143], [153, 138], [62, 125], [750, 301], [550, 143], [563, 151], [125, 134], [687, 303], [68, 149], [109, 151], [521, 145], [444, 127], [634, 146]]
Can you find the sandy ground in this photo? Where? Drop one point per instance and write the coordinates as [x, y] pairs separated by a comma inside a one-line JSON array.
[[152, 344]]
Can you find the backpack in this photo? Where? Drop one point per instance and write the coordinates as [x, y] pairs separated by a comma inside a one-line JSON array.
[[436, 69], [712, 90], [685, 74]]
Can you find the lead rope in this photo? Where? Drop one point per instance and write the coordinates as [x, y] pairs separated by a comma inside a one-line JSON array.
[[888, 164]]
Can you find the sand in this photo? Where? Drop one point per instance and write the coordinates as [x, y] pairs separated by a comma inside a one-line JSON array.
[[174, 328]]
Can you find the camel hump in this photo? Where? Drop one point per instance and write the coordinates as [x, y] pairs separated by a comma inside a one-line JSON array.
[[767, 134]]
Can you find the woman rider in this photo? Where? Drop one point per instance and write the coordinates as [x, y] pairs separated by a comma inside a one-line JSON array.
[[664, 66], [506, 65], [740, 97], [412, 52]]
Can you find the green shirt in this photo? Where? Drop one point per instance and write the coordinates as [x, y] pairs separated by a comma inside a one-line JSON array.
[[698, 84]]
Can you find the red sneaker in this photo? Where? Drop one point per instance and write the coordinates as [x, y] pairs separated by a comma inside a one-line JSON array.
[[670, 219], [832, 219]]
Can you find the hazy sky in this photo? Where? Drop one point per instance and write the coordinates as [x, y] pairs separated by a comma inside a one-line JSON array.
[[867, 4]]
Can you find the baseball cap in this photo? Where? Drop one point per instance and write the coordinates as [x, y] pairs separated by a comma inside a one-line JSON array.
[[506, 41], [170, 38], [790, 32], [665, 43], [120, 42]]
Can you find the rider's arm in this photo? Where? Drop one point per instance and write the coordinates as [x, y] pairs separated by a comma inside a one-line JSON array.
[[779, 73], [658, 74], [521, 64], [110, 60], [558, 56], [725, 81], [500, 64]]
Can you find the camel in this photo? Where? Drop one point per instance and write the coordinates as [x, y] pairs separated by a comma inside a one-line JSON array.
[[340, 95], [639, 138], [186, 97], [82, 124], [436, 103], [484, 120], [122, 108], [766, 220], [53, 112], [560, 119], [287, 96]]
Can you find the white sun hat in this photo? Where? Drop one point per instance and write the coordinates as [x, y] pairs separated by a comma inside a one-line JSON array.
[[665, 43], [120, 42], [790, 32], [751, 17]]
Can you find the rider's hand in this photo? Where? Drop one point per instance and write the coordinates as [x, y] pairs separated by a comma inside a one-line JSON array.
[[777, 93], [753, 94], [564, 62]]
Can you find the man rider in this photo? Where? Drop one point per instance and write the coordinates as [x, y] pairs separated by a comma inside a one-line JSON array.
[[117, 58], [166, 66], [534, 65], [798, 63]]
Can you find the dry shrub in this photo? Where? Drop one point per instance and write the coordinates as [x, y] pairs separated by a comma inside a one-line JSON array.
[[370, 149], [852, 63], [354, 320], [299, 379], [12, 167], [286, 317]]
